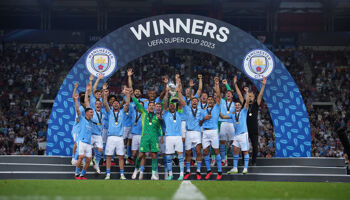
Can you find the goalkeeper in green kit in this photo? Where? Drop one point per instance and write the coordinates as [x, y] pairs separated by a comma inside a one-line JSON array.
[[151, 124]]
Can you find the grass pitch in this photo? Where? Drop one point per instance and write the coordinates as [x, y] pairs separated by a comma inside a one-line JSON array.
[[147, 190]]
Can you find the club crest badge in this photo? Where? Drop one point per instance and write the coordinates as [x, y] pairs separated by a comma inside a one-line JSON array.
[[101, 61], [258, 64]]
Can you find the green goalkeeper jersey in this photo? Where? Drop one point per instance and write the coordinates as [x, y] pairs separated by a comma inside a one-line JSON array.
[[151, 125]]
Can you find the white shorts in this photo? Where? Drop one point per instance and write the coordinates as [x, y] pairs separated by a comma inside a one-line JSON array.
[[104, 135], [135, 144], [115, 144], [183, 129], [227, 131], [84, 149], [172, 144], [96, 141], [241, 141], [210, 137], [127, 133], [193, 138], [161, 146]]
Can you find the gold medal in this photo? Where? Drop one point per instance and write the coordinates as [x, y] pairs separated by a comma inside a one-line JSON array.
[[174, 121], [228, 112], [150, 123], [237, 122], [250, 114], [135, 124], [98, 124], [116, 123]]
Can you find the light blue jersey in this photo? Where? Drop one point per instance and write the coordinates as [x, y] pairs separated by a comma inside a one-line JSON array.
[[93, 101], [136, 120], [212, 123], [146, 102], [97, 120], [76, 125], [105, 118], [241, 117], [226, 108], [86, 128], [116, 122], [172, 123], [193, 118], [202, 106]]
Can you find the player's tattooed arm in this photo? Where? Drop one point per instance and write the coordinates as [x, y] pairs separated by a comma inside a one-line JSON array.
[[182, 100], [76, 104], [238, 91], [247, 99], [75, 89], [104, 96], [130, 73], [91, 78], [86, 98], [128, 94], [200, 86], [101, 76], [166, 98], [263, 82], [217, 90], [165, 80]]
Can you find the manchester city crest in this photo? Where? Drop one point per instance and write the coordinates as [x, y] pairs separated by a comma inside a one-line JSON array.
[[101, 61], [258, 64]]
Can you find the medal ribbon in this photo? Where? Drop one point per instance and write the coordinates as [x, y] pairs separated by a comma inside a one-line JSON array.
[[237, 116], [137, 117], [194, 113], [99, 117], [150, 117], [229, 106], [116, 117]]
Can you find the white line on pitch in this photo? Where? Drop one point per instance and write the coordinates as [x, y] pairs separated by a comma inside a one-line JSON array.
[[188, 191]]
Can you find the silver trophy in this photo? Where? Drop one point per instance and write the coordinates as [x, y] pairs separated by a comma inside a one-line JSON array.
[[172, 87]]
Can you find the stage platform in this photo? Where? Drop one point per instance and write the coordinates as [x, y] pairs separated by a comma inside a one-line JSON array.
[[267, 169]]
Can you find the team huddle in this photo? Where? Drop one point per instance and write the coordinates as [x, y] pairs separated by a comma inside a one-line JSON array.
[[191, 126]]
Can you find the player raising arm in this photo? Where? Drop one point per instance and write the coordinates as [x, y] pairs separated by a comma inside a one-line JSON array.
[[115, 141], [84, 144]]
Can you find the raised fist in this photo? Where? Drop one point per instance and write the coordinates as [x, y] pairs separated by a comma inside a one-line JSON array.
[[235, 79], [105, 86], [191, 83], [101, 76], [216, 80], [91, 77], [130, 72]]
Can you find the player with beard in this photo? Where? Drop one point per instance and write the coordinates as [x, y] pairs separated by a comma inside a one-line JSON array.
[[193, 136], [115, 142], [252, 118], [209, 122], [151, 125], [173, 139], [226, 125]]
